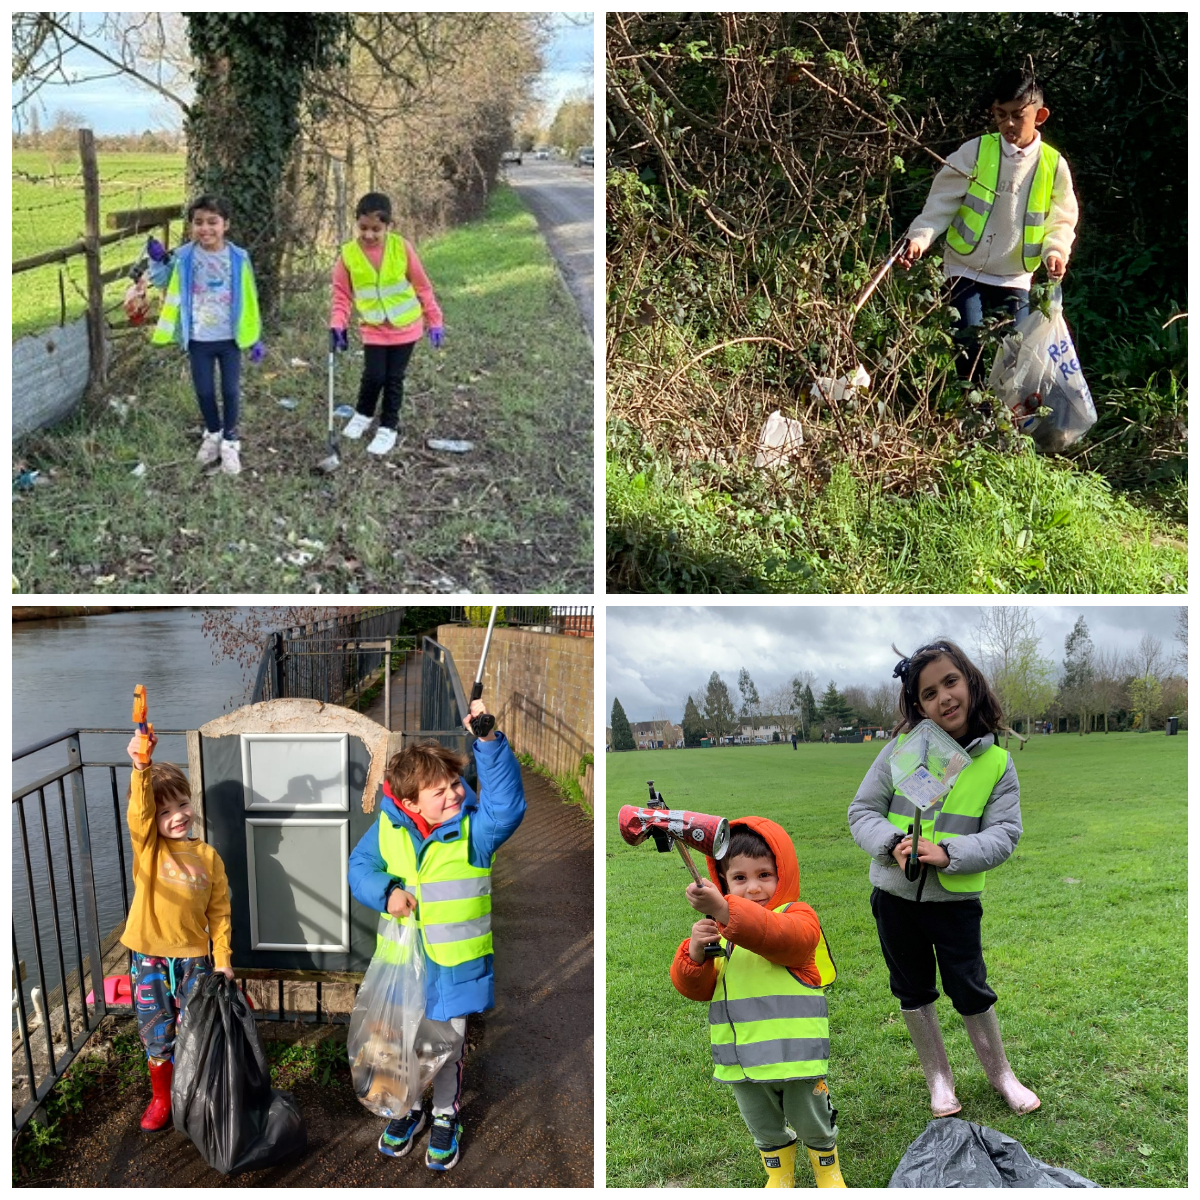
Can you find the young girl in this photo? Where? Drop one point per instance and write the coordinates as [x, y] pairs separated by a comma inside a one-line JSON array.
[[180, 900], [211, 309], [380, 275], [936, 918]]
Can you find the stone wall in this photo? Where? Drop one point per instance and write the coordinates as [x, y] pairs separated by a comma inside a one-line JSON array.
[[540, 686]]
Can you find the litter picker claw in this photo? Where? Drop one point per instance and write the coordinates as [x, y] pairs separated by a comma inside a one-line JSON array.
[[140, 717]]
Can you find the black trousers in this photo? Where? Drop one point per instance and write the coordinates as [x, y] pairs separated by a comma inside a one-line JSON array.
[[383, 371], [915, 937]]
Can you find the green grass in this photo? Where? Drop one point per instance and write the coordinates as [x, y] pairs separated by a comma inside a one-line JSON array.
[[999, 523], [1084, 934], [48, 214], [568, 785], [514, 515]]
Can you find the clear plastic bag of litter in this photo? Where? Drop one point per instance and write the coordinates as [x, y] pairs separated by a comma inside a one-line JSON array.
[[394, 1050], [926, 764], [1037, 367]]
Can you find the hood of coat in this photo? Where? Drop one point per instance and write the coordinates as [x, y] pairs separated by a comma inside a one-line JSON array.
[[398, 816], [786, 866]]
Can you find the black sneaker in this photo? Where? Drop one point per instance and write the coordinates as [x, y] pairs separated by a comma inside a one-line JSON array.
[[398, 1138], [442, 1152]]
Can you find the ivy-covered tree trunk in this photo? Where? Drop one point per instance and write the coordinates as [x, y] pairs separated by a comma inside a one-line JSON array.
[[250, 75]]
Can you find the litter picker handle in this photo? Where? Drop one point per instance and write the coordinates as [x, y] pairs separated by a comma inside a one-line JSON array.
[[483, 724], [712, 949], [877, 278], [912, 868]]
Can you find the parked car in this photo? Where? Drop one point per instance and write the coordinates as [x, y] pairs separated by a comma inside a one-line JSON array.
[[585, 156], [542, 155], [511, 156]]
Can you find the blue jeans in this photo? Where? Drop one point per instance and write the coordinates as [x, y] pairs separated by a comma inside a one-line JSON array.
[[204, 357], [973, 300]]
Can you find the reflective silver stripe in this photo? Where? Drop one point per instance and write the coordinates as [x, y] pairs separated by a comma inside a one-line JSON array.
[[902, 806], [957, 823], [457, 889], [457, 931], [394, 289], [1032, 218], [964, 231], [975, 204], [773, 1053], [766, 1008], [1034, 250]]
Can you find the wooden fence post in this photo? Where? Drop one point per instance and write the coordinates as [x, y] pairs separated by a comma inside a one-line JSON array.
[[97, 348]]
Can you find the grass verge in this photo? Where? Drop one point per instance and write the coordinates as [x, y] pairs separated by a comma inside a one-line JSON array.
[[1084, 935], [514, 515], [998, 523], [567, 784]]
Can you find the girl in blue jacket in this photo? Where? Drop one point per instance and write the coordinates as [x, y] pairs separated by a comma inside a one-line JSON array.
[[210, 308], [431, 852]]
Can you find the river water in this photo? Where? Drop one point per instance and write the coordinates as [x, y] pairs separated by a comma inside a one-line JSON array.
[[80, 672]]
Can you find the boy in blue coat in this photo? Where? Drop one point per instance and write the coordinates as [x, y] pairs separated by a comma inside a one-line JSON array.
[[431, 851]]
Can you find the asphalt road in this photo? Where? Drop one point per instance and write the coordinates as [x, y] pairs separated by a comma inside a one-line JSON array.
[[562, 197], [528, 1081]]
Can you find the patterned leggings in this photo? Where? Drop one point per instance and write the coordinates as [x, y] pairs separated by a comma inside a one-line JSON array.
[[161, 987]]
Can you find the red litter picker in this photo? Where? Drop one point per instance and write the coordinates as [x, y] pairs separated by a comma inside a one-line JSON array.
[[676, 826]]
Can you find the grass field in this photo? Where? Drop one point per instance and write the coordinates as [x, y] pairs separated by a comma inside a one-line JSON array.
[[1085, 937], [47, 203], [514, 515]]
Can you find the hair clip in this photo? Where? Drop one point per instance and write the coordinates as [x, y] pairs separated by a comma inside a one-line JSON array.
[[901, 671]]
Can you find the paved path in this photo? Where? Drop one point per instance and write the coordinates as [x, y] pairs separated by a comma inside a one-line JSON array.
[[562, 197], [527, 1100]]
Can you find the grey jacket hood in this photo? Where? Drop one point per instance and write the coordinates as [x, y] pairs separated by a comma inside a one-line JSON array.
[[999, 831]]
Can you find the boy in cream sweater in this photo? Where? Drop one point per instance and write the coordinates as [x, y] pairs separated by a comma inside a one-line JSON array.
[[1006, 205], [180, 901]]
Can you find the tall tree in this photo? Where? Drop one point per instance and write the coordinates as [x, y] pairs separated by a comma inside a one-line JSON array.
[[251, 72], [808, 710], [693, 724], [621, 733], [1079, 673], [802, 700], [1145, 700], [1108, 684], [750, 700], [1010, 651], [719, 716], [834, 711]]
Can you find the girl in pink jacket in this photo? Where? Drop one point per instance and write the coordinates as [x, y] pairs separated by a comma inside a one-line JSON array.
[[379, 275]]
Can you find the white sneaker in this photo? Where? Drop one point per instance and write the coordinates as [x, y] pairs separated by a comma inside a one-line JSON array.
[[356, 426], [383, 441], [210, 449], [231, 464]]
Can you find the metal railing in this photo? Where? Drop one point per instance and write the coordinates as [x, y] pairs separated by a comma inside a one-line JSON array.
[[334, 661], [572, 620]]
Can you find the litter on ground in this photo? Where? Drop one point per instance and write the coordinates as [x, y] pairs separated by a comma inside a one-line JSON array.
[[450, 445], [288, 404], [777, 440]]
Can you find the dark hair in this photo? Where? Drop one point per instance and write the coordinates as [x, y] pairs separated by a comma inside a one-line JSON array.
[[374, 204], [208, 203], [743, 840], [1016, 85], [985, 715]]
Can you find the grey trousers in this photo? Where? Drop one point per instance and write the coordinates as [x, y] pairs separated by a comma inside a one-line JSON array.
[[447, 1083], [777, 1114]]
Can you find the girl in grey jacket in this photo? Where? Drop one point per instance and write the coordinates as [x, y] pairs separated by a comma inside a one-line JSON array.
[[932, 923]]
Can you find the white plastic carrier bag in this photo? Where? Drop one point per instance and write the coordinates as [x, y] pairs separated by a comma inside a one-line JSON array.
[[1037, 367]]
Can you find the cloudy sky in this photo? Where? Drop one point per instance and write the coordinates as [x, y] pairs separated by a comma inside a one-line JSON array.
[[119, 105], [657, 655]]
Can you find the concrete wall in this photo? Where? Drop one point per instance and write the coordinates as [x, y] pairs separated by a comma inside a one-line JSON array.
[[540, 686], [50, 375]]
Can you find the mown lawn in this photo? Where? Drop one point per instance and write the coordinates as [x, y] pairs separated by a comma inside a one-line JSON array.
[[1085, 936], [513, 515]]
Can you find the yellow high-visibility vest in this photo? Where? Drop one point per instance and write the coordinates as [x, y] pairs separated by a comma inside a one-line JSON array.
[[386, 294]]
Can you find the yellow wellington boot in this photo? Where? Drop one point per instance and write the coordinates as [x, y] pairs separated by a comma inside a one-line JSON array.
[[780, 1166], [825, 1167]]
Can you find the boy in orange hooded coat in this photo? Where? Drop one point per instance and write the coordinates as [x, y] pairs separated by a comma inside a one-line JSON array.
[[769, 1027]]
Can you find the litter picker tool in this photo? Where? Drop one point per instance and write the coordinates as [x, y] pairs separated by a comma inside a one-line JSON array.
[[681, 828], [483, 724], [331, 461], [878, 277]]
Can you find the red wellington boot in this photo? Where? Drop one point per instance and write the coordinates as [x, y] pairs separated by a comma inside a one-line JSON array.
[[158, 1113]]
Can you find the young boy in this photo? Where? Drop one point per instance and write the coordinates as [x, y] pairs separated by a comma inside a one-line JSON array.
[[1007, 206], [180, 900], [768, 1019], [431, 851]]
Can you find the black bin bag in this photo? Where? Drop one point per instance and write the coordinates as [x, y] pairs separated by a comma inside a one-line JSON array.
[[953, 1153], [221, 1094]]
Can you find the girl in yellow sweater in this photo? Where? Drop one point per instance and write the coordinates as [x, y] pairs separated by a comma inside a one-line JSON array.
[[180, 901]]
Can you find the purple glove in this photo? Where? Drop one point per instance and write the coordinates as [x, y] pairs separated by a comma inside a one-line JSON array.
[[436, 336], [156, 251], [339, 340], [257, 352]]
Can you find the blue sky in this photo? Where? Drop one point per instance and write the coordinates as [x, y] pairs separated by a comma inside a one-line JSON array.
[[115, 105]]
